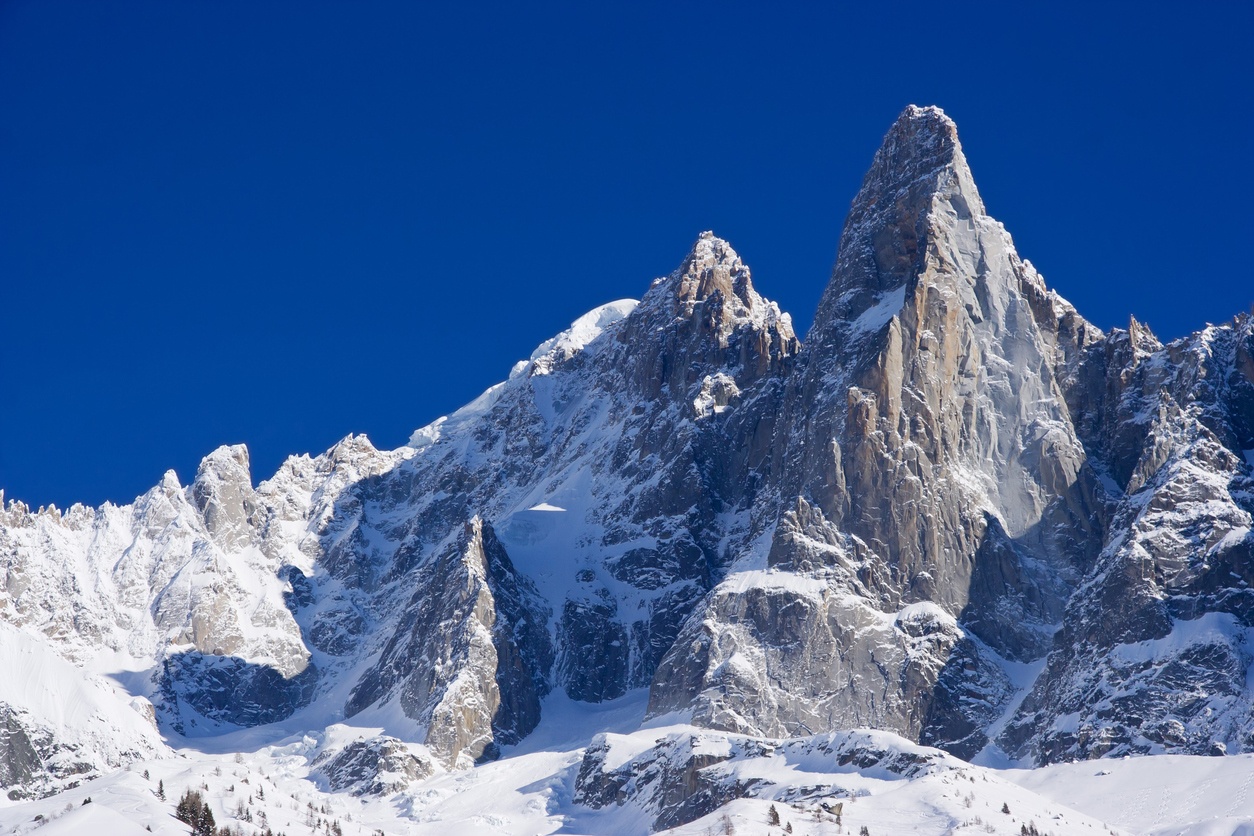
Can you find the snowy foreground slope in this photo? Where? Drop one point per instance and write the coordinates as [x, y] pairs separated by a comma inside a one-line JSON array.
[[959, 549], [883, 783]]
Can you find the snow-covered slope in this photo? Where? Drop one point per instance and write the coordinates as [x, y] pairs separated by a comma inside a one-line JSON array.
[[548, 785], [60, 722]]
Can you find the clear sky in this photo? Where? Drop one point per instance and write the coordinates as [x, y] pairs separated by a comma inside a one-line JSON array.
[[279, 223]]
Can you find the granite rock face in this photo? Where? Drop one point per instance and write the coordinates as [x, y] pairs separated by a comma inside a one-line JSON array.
[[934, 501], [968, 477], [20, 762], [935, 362], [1154, 652], [956, 483], [470, 656]]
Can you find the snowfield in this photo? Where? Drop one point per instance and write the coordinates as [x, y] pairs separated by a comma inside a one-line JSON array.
[[531, 790]]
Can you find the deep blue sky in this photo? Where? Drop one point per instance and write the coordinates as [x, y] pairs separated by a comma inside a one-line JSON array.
[[279, 223]]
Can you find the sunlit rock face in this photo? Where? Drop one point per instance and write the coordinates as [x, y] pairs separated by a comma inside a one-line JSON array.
[[956, 437], [929, 457], [470, 656]]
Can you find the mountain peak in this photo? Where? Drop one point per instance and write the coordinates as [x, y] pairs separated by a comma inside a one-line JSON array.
[[929, 118], [919, 157], [705, 315], [711, 265], [918, 169], [712, 278], [920, 146], [223, 494]]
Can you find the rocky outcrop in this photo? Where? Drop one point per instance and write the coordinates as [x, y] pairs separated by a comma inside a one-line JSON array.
[[469, 659], [223, 495], [199, 693], [673, 779], [378, 766], [685, 775], [704, 317], [1153, 654], [779, 653], [20, 763]]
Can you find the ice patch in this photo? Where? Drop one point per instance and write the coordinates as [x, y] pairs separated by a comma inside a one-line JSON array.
[[740, 582], [581, 332], [574, 339], [925, 612], [1219, 628], [430, 434], [878, 315], [1110, 485], [518, 369], [424, 437]]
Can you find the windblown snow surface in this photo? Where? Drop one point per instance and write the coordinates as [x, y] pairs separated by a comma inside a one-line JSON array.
[[530, 790]]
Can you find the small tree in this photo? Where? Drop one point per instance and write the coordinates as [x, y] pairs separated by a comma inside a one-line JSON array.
[[205, 825], [161, 790], [1005, 808], [188, 806], [772, 816], [192, 810]]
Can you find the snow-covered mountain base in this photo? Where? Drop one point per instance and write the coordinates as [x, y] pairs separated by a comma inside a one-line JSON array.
[[721, 783]]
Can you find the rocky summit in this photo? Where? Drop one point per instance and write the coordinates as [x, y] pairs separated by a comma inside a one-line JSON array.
[[958, 513]]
